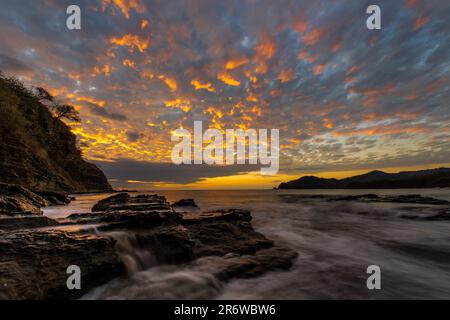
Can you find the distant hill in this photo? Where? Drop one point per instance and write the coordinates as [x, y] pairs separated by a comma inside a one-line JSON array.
[[433, 178], [37, 150]]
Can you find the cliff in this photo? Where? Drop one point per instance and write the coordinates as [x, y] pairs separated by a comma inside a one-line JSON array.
[[433, 178], [37, 150]]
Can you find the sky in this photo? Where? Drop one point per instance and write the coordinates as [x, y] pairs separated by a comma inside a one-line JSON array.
[[346, 99]]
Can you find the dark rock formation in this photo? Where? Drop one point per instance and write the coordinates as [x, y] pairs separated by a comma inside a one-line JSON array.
[[409, 198], [18, 200], [25, 221], [145, 223], [441, 215], [434, 178], [185, 203], [55, 198], [37, 150], [33, 263], [123, 201]]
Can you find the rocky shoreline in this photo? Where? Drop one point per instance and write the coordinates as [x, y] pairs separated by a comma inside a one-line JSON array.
[[125, 234], [35, 250]]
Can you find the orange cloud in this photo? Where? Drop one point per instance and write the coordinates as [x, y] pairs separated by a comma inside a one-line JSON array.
[[410, 3], [128, 63], [318, 69], [144, 24], [74, 76], [125, 6], [147, 74], [327, 123], [171, 83], [184, 105], [251, 97], [300, 26], [228, 79], [420, 22], [92, 100], [266, 48], [286, 75], [379, 130], [106, 70], [336, 46], [236, 63], [313, 36], [203, 86], [131, 41]]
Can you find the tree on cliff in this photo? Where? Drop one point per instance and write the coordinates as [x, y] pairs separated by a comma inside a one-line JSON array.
[[59, 111], [65, 111]]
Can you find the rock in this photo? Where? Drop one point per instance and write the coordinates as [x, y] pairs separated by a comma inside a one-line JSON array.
[[177, 237], [33, 264], [410, 198], [25, 221], [442, 215], [361, 197], [247, 266], [102, 205], [123, 201], [124, 219], [16, 200], [55, 198], [414, 198], [185, 203], [127, 230]]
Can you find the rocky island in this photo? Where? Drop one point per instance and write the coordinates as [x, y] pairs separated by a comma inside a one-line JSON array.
[[432, 178]]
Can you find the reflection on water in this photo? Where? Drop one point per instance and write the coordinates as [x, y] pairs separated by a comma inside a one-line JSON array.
[[336, 241]]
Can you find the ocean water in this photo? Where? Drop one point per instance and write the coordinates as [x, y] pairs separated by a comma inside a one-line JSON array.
[[336, 242]]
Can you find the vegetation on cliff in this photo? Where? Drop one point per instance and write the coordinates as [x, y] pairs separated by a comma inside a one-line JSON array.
[[37, 149]]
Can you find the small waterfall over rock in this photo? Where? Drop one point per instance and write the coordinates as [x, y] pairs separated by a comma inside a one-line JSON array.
[[134, 257]]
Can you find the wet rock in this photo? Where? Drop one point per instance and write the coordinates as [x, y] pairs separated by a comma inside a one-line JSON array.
[[124, 219], [123, 201], [55, 198], [410, 198], [414, 198], [33, 264], [185, 203], [25, 221], [104, 204], [176, 237], [248, 266], [361, 197], [128, 229], [441, 215], [16, 200]]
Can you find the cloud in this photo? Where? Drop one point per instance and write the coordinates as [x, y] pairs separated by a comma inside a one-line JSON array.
[[128, 169], [340, 94], [103, 112], [12, 65], [134, 136]]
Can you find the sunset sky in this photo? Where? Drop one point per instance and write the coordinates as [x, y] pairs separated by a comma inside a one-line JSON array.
[[346, 99]]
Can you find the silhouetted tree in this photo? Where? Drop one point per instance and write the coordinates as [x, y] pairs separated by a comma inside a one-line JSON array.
[[43, 94], [65, 111]]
